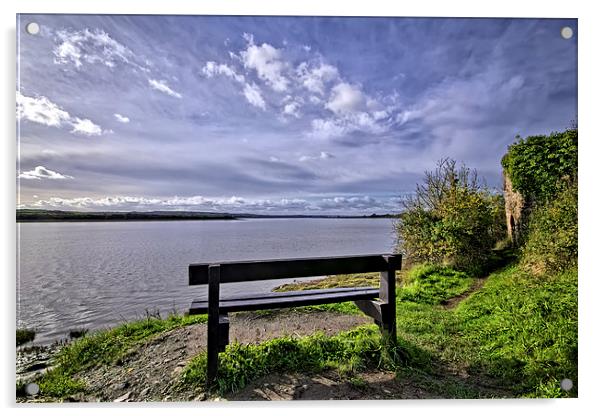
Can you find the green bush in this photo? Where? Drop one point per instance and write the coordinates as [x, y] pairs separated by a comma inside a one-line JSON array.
[[552, 239], [452, 219], [535, 165]]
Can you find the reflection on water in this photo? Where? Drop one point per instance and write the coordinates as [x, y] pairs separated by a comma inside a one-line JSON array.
[[98, 274]]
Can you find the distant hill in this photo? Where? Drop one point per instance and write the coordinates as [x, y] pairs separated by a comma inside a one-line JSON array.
[[42, 215]]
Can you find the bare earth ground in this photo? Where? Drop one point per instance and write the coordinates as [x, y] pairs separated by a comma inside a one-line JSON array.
[[150, 372]]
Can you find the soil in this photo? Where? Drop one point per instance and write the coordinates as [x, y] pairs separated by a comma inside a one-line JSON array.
[[151, 372], [330, 386]]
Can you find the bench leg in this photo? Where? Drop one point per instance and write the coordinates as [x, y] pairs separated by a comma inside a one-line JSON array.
[[213, 325], [387, 295], [224, 332]]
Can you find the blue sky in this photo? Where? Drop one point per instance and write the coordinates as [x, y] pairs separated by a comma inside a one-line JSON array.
[[276, 114]]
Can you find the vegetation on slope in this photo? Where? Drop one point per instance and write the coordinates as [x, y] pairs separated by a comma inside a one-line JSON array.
[[451, 219], [104, 348]]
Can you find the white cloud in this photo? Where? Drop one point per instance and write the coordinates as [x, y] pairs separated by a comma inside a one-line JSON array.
[[253, 95], [314, 79], [361, 204], [121, 119], [345, 98], [327, 128], [348, 123], [292, 106], [43, 111], [321, 156], [86, 127], [265, 60], [161, 85], [292, 109], [212, 69], [79, 47], [315, 100], [40, 172], [40, 110]]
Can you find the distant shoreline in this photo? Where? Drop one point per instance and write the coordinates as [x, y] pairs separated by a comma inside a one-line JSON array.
[[31, 215]]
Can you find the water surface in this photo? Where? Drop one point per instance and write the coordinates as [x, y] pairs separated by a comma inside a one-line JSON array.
[[98, 274]]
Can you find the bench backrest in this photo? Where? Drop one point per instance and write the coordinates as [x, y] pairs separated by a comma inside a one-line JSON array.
[[244, 271]]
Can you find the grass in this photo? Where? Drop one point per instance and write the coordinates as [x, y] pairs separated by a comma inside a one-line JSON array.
[[516, 336], [104, 347], [519, 331], [25, 335], [347, 352]]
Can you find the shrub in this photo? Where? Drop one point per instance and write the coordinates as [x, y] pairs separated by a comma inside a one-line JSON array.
[[451, 219], [552, 238]]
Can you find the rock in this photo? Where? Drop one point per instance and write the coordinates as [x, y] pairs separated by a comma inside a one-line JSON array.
[[144, 392], [201, 397], [40, 365], [123, 398], [121, 386], [181, 364], [176, 371], [79, 397]]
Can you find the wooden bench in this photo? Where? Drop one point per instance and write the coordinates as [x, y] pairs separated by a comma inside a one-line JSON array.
[[378, 303]]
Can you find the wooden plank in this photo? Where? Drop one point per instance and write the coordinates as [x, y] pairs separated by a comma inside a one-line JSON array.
[[288, 268], [213, 325], [285, 302]]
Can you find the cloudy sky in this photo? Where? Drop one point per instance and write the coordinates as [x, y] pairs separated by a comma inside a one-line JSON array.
[[276, 114]]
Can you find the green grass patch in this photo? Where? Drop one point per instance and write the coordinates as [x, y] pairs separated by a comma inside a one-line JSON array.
[[519, 331], [526, 329], [25, 335], [104, 347], [330, 282], [432, 285], [347, 352]]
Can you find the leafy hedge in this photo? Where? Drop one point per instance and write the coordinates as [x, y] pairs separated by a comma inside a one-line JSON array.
[[552, 238], [536, 164]]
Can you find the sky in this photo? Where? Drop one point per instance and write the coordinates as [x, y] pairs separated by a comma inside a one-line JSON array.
[[276, 115]]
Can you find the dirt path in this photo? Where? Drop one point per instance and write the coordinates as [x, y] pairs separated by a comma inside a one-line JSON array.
[[453, 302], [329, 386], [150, 372]]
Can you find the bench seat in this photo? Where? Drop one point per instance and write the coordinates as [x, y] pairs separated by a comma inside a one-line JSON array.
[[274, 300]]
